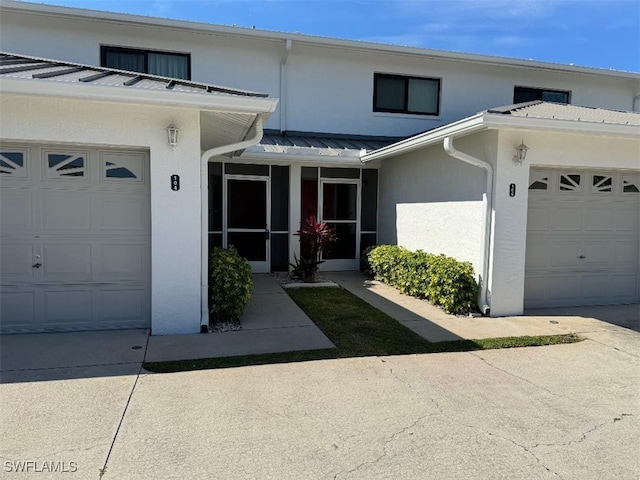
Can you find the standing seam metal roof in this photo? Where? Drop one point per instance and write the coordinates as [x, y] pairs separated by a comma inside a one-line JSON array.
[[561, 111], [26, 67]]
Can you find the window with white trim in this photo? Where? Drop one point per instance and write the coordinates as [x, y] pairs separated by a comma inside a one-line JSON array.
[[402, 94]]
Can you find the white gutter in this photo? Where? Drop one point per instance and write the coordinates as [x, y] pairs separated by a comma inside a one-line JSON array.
[[283, 85], [483, 302], [487, 120], [204, 225]]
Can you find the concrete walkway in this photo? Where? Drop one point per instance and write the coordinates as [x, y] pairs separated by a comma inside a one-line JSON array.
[[436, 326], [271, 323]]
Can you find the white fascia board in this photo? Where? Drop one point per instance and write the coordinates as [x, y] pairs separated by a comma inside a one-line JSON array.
[[133, 95], [266, 35], [559, 125], [461, 127], [484, 121]]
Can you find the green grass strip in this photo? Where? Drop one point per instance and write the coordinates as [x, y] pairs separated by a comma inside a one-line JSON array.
[[358, 330]]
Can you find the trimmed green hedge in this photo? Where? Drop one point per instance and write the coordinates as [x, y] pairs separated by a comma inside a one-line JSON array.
[[443, 281], [230, 285]]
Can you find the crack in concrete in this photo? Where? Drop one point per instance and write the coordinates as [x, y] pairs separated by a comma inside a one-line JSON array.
[[584, 435], [141, 373], [491, 434], [516, 376], [612, 347], [384, 448]]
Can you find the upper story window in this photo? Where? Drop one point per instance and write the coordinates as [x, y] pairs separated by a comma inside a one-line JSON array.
[[530, 94], [401, 94], [166, 64]]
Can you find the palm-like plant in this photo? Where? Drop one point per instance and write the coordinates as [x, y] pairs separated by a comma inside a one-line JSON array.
[[315, 239]]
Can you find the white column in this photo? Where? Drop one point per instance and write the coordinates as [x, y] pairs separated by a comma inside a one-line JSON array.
[[295, 210]]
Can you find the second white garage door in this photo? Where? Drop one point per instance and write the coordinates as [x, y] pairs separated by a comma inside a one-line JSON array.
[[75, 239], [583, 240]]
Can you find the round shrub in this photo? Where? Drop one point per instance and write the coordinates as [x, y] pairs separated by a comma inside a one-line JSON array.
[[230, 285]]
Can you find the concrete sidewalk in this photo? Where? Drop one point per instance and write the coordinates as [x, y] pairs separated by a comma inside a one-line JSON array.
[[271, 323], [436, 326]]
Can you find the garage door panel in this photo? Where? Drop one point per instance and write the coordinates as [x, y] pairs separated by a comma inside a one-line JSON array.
[[16, 261], [16, 210], [588, 253], [127, 262], [627, 218], [124, 306], [66, 211], [564, 253], [67, 262], [537, 254], [626, 253], [539, 216], [128, 213], [625, 286], [599, 219], [597, 253], [17, 309], [67, 305], [566, 218]]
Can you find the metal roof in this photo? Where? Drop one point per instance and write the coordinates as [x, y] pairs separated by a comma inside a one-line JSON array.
[[276, 142], [46, 70], [311, 144], [561, 111]]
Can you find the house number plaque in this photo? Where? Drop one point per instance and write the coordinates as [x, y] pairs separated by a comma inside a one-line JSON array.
[[512, 190], [175, 182]]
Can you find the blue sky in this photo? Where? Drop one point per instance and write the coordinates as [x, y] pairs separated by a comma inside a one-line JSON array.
[[593, 33]]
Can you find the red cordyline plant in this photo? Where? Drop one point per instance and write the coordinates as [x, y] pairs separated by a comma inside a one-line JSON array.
[[315, 238]]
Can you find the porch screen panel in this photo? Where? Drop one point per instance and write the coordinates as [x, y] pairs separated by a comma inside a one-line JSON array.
[[279, 252], [279, 199], [215, 197], [215, 205], [279, 218], [369, 200]]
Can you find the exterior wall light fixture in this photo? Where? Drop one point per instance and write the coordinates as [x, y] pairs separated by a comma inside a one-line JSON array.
[[173, 133], [521, 153]]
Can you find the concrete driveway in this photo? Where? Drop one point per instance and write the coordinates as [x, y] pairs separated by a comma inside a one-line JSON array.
[[566, 411]]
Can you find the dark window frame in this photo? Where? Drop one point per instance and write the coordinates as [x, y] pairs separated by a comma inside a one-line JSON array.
[[405, 109], [539, 93], [105, 49]]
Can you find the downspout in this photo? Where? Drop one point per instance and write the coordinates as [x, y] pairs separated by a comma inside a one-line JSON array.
[[204, 225], [283, 86], [483, 301]]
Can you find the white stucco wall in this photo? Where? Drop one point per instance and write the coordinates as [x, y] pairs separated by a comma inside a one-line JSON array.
[[433, 202], [175, 216], [328, 88], [555, 149]]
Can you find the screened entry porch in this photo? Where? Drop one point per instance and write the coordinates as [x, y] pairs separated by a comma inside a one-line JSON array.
[[257, 208]]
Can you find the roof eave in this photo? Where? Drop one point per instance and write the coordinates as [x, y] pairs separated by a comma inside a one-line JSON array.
[[486, 121], [132, 95]]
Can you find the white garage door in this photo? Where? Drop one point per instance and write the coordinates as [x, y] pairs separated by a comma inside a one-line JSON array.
[[583, 241], [74, 239]]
